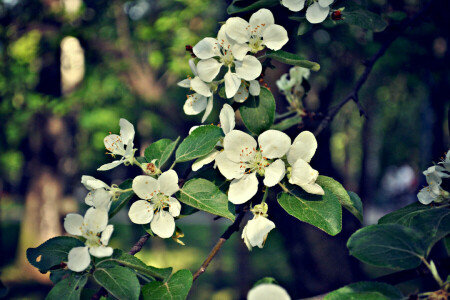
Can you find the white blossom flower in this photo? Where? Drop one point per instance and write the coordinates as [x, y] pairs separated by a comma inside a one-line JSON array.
[[241, 161], [120, 145], [318, 11], [296, 76], [95, 229], [156, 196], [251, 87], [293, 5], [260, 32], [268, 291], [299, 156], [430, 193], [446, 162], [434, 174], [202, 100], [256, 230], [230, 54], [100, 194]]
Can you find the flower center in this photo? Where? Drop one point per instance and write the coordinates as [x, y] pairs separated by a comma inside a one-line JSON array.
[[160, 201], [92, 239], [227, 59], [252, 160], [255, 44]]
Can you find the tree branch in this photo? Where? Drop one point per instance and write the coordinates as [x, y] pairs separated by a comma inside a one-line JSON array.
[[393, 33], [223, 238]]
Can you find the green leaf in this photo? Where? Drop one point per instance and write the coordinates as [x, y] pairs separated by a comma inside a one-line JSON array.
[[124, 198], [447, 244], [58, 275], [292, 59], [303, 28], [404, 215], [121, 282], [287, 123], [270, 280], [200, 142], [324, 212], [397, 15], [365, 291], [388, 245], [160, 150], [53, 252], [177, 288], [352, 205], [205, 195], [238, 6], [258, 112], [69, 288], [359, 16]]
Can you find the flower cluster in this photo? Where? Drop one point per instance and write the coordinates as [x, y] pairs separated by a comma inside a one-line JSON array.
[[292, 88], [434, 175], [235, 40], [317, 11]]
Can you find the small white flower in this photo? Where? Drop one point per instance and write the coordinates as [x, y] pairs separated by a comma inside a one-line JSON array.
[[318, 11], [156, 196], [256, 230], [446, 162], [430, 193], [434, 174], [293, 5], [100, 193], [260, 32], [251, 87], [299, 156], [120, 145], [95, 229], [296, 76], [268, 291], [241, 160], [230, 54]]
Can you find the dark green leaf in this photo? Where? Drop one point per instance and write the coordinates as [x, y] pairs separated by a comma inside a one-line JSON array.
[[397, 15], [239, 6], [205, 195], [258, 112], [324, 212], [365, 291], [303, 28], [356, 208], [160, 150], [359, 16], [388, 245], [124, 198], [200, 142], [58, 275], [69, 288], [292, 59], [288, 123], [404, 215], [53, 252], [447, 244], [177, 288], [121, 282]]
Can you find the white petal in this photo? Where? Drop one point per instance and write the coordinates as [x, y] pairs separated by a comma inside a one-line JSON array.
[[201, 161], [174, 207], [243, 189], [92, 183], [305, 177], [275, 37], [101, 199], [208, 69], [258, 229], [241, 94], [249, 68], [237, 30], [101, 251], [208, 108], [89, 199], [254, 88], [126, 131], [274, 173], [316, 13], [232, 83], [244, 236], [262, 16], [73, 224], [313, 188], [206, 48], [145, 186], [303, 147], [78, 259], [239, 51], [200, 87], [228, 168], [141, 212], [424, 196], [110, 165], [168, 182], [106, 235], [193, 128], [238, 145], [163, 224], [268, 291], [325, 3], [114, 143], [185, 83], [194, 104], [293, 5], [227, 119], [274, 143], [193, 67], [95, 219]]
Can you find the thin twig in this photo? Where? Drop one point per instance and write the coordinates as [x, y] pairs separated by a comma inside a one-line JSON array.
[[353, 95], [139, 244], [223, 238]]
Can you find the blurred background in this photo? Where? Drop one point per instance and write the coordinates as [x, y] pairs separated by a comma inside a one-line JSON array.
[[71, 68]]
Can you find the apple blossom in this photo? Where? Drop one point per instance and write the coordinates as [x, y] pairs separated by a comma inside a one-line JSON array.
[[256, 230], [95, 229], [120, 145], [430, 193], [241, 161], [155, 195], [446, 161], [251, 87], [260, 32], [268, 291], [316, 12]]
